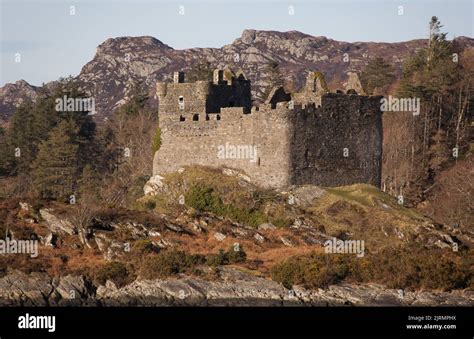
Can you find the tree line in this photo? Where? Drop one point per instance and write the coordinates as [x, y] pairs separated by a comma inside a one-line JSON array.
[[61, 155]]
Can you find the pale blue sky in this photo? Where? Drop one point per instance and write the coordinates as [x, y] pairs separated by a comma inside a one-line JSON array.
[[53, 43]]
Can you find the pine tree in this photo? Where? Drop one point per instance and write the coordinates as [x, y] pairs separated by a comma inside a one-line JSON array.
[[137, 99], [7, 159], [55, 168], [435, 77], [88, 185], [377, 74], [21, 138]]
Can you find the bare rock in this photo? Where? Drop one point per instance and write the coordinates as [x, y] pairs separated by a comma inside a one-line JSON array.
[[259, 238], [21, 289], [305, 196], [50, 240], [266, 227], [72, 290], [231, 287], [24, 206], [248, 36], [287, 242], [154, 185], [57, 225], [219, 236]]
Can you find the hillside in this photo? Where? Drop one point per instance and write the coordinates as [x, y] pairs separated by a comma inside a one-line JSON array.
[[219, 233]]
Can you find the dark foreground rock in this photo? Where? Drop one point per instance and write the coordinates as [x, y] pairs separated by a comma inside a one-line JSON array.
[[231, 288]]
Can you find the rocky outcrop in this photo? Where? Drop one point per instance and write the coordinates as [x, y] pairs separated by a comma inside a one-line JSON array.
[[56, 224], [154, 185], [13, 95], [231, 288]]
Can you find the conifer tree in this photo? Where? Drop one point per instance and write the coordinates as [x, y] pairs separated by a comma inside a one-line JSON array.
[[7, 160], [137, 98], [377, 74], [55, 168], [435, 76]]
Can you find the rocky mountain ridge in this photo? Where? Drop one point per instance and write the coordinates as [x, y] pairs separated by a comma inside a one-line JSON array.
[[119, 62]]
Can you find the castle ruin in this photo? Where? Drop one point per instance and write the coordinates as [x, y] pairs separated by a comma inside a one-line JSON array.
[[309, 137]]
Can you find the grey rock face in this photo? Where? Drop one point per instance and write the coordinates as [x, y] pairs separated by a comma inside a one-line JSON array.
[[21, 289], [232, 288], [56, 224], [248, 36]]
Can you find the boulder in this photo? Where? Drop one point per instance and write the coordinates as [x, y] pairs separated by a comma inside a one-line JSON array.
[[266, 227], [219, 236], [154, 185], [56, 224]]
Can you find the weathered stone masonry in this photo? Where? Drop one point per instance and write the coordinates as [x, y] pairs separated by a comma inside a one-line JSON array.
[[309, 137]]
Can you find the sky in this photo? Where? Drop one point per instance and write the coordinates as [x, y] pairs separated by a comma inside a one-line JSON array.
[[42, 40]]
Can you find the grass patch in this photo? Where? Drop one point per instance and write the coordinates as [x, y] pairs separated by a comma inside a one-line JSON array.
[[205, 199]]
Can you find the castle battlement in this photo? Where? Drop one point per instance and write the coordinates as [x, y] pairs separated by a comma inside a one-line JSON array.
[[309, 137]]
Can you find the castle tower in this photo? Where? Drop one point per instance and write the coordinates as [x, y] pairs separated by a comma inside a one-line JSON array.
[[353, 84], [228, 76], [218, 76], [314, 88], [203, 88], [161, 89], [178, 77], [315, 82]]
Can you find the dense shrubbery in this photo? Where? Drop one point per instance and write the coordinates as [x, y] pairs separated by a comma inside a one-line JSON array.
[[317, 270], [406, 267], [144, 247], [232, 256], [114, 271], [172, 262]]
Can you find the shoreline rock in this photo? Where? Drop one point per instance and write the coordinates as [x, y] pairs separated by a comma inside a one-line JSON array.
[[233, 288]]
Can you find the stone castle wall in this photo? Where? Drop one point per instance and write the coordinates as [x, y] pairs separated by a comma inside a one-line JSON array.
[[197, 142], [339, 143], [336, 144], [188, 99], [326, 139]]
